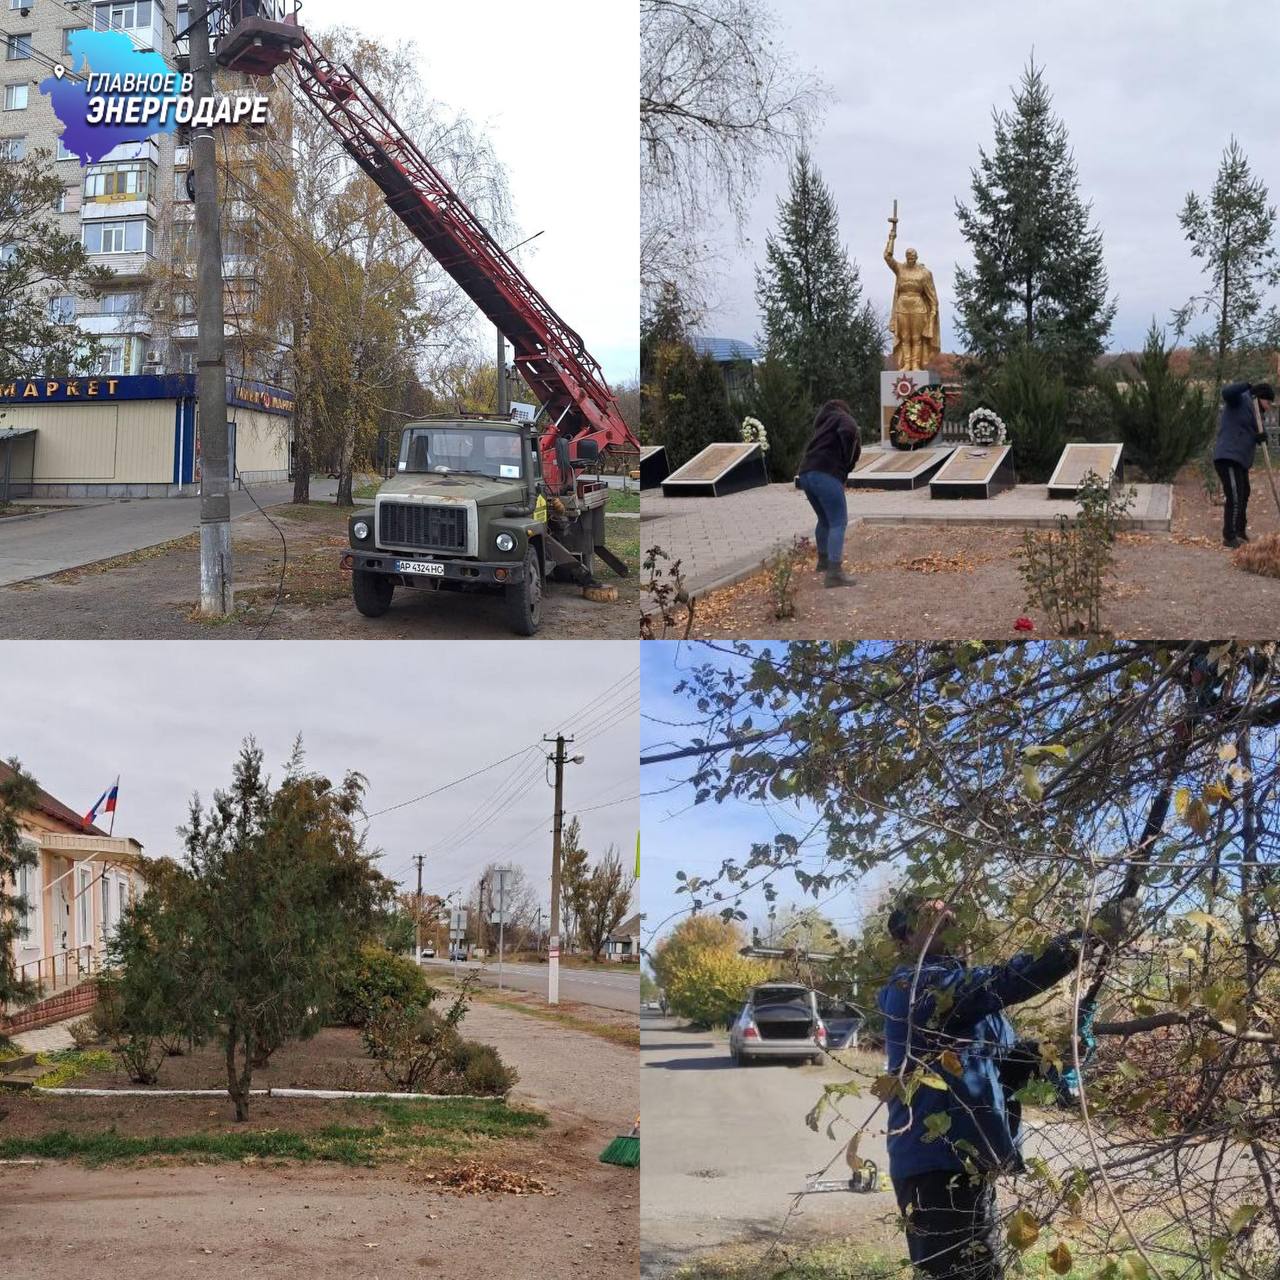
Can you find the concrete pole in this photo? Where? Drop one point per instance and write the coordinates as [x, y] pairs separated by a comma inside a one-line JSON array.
[[417, 914], [553, 942], [216, 582], [502, 920]]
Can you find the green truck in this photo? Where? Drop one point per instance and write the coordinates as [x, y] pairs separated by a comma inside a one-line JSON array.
[[469, 510]]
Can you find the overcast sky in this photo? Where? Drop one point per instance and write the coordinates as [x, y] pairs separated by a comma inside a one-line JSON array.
[[169, 719], [1150, 93], [554, 86]]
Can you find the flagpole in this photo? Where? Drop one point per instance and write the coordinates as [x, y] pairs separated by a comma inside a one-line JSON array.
[[112, 828]]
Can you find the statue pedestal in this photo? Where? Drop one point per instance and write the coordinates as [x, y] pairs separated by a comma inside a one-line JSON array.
[[895, 386]]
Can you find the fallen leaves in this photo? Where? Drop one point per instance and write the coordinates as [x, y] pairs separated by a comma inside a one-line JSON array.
[[475, 1178]]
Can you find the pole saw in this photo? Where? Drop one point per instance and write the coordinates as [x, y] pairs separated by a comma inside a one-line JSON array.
[[1266, 452], [1204, 687]]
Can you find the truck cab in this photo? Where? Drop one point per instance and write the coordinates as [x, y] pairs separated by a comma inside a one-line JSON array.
[[464, 511]]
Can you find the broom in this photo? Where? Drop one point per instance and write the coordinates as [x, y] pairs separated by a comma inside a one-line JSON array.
[[624, 1149]]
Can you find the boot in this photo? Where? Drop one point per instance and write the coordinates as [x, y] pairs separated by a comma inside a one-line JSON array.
[[836, 577], [822, 565]]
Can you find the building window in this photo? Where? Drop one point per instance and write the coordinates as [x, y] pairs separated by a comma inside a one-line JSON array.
[[111, 360], [68, 200], [184, 304], [123, 15], [132, 235], [129, 179], [62, 309], [64, 154], [119, 304], [84, 906], [67, 33], [188, 359], [29, 890], [180, 186], [15, 97], [17, 48], [13, 148], [183, 235]]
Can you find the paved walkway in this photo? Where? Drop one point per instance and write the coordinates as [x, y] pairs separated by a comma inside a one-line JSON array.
[[36, 546], [47, 1039], [719, 540]]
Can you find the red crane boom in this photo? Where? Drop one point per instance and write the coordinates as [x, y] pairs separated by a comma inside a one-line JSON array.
[[550, 355]]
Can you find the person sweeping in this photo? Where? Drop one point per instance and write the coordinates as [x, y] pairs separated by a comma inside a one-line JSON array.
[[832, 452], [1239, 435], [949, 1146]]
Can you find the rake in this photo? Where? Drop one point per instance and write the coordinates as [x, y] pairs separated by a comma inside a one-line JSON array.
[[1266, 454]]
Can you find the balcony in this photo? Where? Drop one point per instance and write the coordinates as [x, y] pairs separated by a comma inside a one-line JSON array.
[[116, 324], [130, 206]]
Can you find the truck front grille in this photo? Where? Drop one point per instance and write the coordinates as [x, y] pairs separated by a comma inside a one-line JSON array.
[[425, 527]]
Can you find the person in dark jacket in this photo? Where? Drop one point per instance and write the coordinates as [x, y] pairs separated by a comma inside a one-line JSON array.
[[948, 1146], [831, 454], [1234, 449]]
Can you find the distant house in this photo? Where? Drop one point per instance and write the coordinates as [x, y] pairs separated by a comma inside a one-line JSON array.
[[737, 360], [624, 942], [75, 892]]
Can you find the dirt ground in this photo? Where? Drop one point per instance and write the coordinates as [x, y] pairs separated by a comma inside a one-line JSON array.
[[190, 1221], [938, 583], [151, 594]]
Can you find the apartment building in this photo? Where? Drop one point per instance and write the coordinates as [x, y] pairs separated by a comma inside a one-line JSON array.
[[132, 211]]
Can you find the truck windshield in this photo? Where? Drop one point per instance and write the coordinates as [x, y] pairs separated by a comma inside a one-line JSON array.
[[475, 451]]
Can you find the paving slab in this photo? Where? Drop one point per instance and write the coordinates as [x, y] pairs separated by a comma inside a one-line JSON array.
[[719, 540], [47, 1039]]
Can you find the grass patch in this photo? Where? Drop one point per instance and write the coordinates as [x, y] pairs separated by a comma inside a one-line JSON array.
[[622, 500], [623, 538], [612, 1031], [393, 1131], [317, 511], [69, 1064]]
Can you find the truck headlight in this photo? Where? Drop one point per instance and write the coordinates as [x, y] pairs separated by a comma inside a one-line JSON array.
[[505, 542], [360, 530]]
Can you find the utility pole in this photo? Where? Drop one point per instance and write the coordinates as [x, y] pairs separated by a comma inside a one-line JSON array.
[[504, 392], [553, 941], [502, 919], [417, 913], [216, 582]]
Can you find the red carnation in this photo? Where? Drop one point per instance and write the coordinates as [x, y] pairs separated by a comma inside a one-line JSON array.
[[1024, 624]]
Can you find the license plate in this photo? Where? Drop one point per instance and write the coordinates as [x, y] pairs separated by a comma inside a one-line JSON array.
[[433, 568]]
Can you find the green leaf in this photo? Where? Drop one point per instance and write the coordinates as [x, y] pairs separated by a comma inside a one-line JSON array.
[[935, 1126], [1031, 783], [1049, 752], [1244, 1215]]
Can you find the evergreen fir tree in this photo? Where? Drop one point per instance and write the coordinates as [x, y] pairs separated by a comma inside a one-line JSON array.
[[18, 793], [1038, 277], [787, 416], [1232, 232], [810, 299]]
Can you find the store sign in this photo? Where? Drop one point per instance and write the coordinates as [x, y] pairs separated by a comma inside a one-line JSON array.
[[147, 386]]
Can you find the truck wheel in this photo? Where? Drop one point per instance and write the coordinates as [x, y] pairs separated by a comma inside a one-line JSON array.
[[371, 592], [524, 599]]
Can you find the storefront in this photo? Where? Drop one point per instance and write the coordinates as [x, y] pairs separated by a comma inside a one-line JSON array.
[[133, 437]]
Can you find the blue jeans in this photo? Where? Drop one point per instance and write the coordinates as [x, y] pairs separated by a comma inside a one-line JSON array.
[[826, 497]]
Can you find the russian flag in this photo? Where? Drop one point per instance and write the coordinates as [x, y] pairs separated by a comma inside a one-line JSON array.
[[106, 803]]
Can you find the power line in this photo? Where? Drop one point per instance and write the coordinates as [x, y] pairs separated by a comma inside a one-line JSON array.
[[426, 795]]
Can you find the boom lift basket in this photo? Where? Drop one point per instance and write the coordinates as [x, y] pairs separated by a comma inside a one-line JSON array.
[[262, 37]]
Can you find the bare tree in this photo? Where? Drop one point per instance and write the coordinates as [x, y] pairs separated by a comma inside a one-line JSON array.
[[717, 99]]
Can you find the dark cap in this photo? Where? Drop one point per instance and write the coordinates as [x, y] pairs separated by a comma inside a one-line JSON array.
[[902, 918], [1264, 391]]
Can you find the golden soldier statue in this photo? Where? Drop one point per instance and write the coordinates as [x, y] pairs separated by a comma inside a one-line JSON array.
[[914, 319]]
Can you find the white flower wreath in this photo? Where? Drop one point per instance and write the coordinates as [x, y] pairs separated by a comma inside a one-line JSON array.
[[753, 432], [986, 427]]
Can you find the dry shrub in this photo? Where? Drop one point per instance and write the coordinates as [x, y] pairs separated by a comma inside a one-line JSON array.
[[1261, 557]]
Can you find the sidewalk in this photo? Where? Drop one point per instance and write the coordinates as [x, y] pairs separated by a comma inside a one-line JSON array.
[[719, 540], [46, 1039]]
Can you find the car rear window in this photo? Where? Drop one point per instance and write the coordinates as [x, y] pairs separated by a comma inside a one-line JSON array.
[[778, 995]]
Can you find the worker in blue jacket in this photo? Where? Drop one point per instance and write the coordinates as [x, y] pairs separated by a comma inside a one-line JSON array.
[[944, 1171], [1234, 449]]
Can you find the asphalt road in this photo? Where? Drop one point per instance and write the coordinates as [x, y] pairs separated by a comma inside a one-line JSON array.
[[589, 986], [725, 1147], [68, 537]]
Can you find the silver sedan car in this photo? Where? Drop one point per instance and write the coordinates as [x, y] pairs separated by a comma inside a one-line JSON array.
[[779, 1020]]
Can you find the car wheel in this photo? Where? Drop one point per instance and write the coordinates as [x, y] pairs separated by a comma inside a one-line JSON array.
[[372, 592], [744, 1060], [524, 599]]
